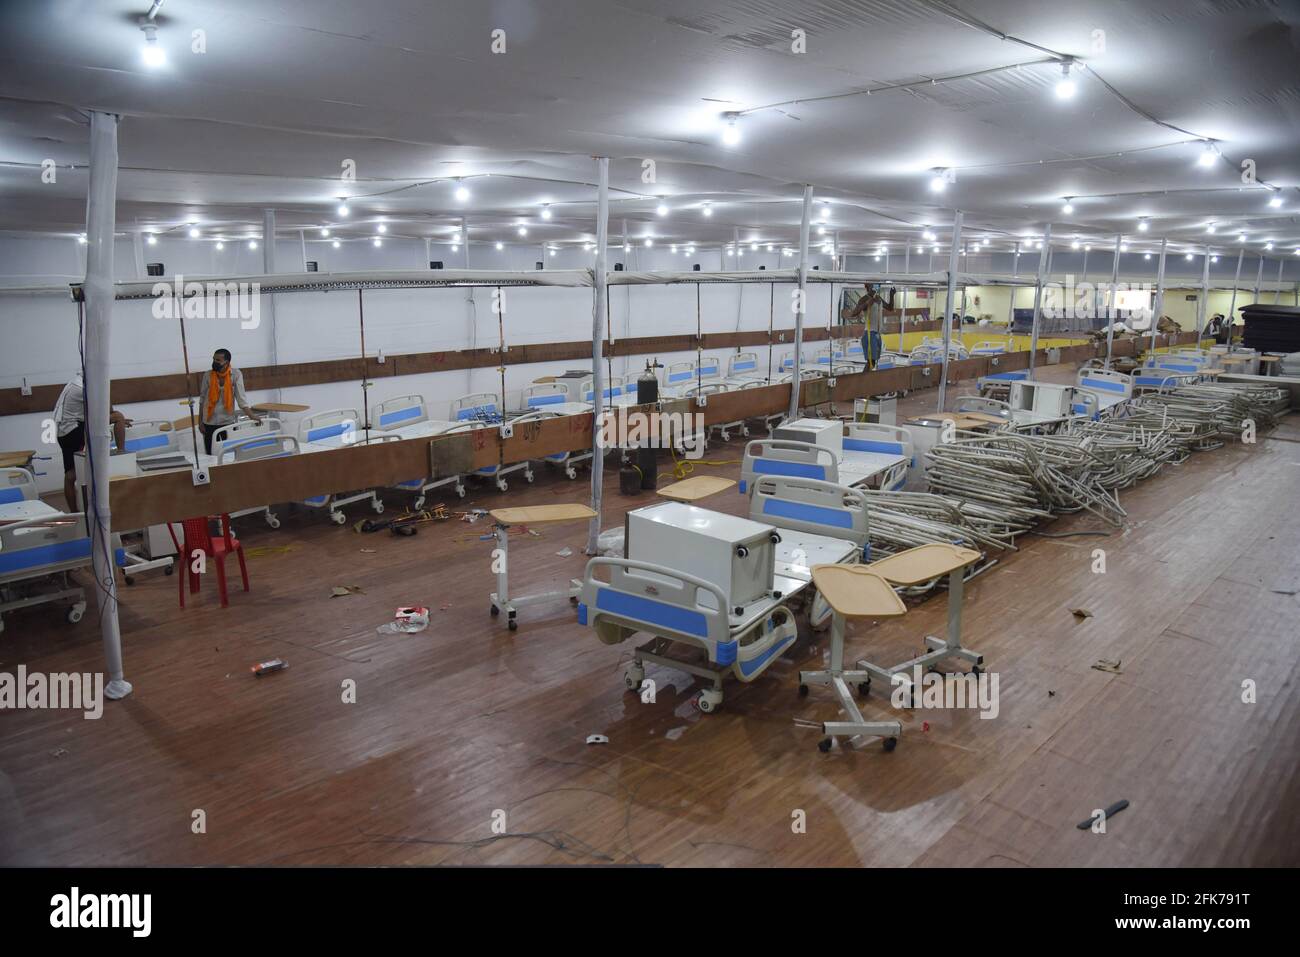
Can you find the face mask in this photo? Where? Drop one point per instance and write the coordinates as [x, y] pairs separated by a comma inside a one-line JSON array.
[[216, 366]]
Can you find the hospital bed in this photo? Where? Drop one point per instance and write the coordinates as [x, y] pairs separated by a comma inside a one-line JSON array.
[[989, 347], [868, 454], [872, 456], [1155, 379], [319, 432], [39, 545], [483, 410], [1112, 389], [407, 417], [719, 585], [744, 365]]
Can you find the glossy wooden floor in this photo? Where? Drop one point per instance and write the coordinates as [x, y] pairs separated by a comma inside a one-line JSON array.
[[467, 719]]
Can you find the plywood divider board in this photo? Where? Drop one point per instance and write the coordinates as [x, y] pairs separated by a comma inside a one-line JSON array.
[[539, 438]]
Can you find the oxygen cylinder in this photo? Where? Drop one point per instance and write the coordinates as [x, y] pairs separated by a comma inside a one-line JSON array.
[[647, 391]]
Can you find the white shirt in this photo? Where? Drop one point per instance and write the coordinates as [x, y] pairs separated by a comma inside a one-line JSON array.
[[70, 410]]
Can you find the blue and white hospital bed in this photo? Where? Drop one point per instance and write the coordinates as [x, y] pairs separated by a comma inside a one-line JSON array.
[[1112, 389], [320, 432], [670, 591], [858, 454], [39, 545], [407, 417]]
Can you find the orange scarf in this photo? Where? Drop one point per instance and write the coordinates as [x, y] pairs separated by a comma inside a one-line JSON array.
[[227, 394]]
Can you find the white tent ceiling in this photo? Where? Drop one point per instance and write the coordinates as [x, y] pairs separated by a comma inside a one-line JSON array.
[[411, 91]]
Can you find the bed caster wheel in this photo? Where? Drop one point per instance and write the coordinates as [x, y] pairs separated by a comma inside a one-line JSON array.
[[512, 625], [803, 691], [272, 520], [709, 701], [633, 678], [528, 477], [724, 436], [418, 503], [169, 569], [75, 613], [128, 579], [890, 743], [494, 611], [338, 518], [571, 473], [864, 688], [378, 506], [460, 490], [824, 745], [502, 485]]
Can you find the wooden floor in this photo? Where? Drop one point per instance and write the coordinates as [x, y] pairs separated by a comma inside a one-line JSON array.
[[467, 719]]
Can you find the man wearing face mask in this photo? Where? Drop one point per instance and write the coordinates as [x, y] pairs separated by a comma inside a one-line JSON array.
[[220, 392]]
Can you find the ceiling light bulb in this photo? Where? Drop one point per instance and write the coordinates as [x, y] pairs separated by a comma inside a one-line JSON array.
[[1065, 87], [769, 247], [1075, 244], [935, 248], [1208, 155], [1268, 245], [1143, 225], [151, 239], [730, 251], [455, 247], [500, 246], [1146, 255], [546, 212], [1188, 257], [381, 228], [731, 132], [826, 211], [1210, 228], [462, 191], [937, 182], [1275, 201], [753, 247], [522, 230], [377, 242], [708, 210], [1241, 237], [662, 209], [552, 252], [1123, 247], [252, 244], [151, 53], [343, 209], [194, 232], [220, 244], [325, 232], [336, 244], [649, 242], [1067, 208], [1214, 259]]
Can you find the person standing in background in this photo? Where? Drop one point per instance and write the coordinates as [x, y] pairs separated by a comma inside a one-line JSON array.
[[872, 341], [70, 430], [220, 392]]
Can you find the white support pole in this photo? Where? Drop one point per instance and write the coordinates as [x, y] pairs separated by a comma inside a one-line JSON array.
[[1277, 293], [100, 224], [268, 267], [598, 321], [952, 297], [302, 240], [137, 247], [1011, 304], [1231, 307], [801, 307], [1259, 277], [1159, 307], [1202, 305], [464, 242], [1044, 257], [902, 322], [907, 257], [1112, 313]]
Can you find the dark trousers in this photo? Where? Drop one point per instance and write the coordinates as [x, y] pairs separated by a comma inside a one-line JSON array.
[[207, 436]]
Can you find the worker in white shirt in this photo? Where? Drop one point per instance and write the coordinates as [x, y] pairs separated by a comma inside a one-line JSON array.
[[220, 392], [70, 429]]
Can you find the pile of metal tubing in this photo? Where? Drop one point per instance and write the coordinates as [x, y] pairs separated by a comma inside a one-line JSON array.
[[1217, 410]]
